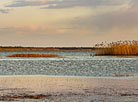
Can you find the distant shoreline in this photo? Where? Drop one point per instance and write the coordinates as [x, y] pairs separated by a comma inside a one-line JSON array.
[[3, 48], [67, 76]]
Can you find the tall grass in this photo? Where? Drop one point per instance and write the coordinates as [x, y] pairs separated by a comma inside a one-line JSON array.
[[120, 48]]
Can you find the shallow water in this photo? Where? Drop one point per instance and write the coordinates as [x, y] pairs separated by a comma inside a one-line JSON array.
[[90, 86], [74, 63], [67, 89]]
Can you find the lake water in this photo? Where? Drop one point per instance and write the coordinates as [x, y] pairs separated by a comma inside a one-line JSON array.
[[74, 63]]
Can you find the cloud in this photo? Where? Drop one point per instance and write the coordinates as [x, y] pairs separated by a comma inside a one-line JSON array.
[[7, 30], [57, 4], [24, 3], [31, 29], [123, 18], [60, 31], [83, 3], [4, 10], [134, 3]]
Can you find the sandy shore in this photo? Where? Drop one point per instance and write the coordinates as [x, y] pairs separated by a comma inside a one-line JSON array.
[[68, 89]]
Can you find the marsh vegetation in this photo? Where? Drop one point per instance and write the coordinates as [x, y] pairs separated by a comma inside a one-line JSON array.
[[120, 48]]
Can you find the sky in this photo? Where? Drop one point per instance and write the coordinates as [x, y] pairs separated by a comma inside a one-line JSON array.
[[67, 23]]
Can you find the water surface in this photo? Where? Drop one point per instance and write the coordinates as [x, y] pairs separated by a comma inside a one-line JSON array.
[[74, 63]]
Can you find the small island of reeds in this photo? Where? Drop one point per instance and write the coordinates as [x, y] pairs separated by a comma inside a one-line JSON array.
[[34, 55], [119, 48]]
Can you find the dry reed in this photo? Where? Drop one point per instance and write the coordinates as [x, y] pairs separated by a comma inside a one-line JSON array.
[[120, 48]]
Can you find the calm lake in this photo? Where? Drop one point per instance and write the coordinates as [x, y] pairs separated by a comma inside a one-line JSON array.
[[74, 63]]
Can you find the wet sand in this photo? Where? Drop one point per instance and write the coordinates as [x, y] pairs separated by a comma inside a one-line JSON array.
[[68, 89]]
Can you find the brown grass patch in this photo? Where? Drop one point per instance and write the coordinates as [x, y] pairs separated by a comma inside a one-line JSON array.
[[120, 48], [34, 55], [123, 74], [26, 97]]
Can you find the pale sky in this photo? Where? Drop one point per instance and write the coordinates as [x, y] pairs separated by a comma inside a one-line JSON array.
[[67, 23]]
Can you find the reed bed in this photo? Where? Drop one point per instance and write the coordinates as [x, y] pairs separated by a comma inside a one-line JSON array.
[[120, 48], [34, 55]]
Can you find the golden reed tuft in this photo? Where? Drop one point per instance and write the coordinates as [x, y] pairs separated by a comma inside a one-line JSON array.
[[120, 48]]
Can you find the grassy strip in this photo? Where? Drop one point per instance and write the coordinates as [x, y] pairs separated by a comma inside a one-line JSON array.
[[34, 55]]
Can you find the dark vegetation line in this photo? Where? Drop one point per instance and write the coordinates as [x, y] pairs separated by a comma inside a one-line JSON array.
[[48, 47], [34, 55], [19, 48]]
